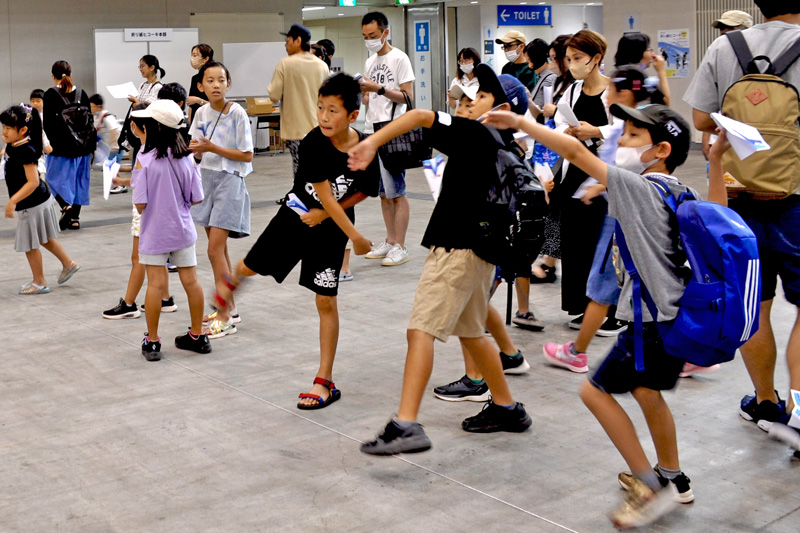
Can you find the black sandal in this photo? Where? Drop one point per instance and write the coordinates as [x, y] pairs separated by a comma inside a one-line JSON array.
[[74, 224], [64, 220], [550, 275]]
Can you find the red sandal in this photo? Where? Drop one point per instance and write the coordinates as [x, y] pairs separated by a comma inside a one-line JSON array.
[[335, 394]]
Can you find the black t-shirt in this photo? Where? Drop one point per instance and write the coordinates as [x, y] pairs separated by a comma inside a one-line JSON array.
[[471, 167], [17, 158], [320, 160], [522, 72], [194, 91], [54, 126]]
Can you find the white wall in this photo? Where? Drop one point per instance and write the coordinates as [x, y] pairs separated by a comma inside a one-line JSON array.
[[468, 28]]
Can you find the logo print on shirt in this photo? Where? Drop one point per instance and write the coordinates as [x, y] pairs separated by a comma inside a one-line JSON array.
[[339, 188]]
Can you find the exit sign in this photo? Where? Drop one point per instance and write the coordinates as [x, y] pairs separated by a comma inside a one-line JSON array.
[[402, 2], [347, 3]]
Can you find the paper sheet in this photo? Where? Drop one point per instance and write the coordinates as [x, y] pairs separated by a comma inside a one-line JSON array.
[[110, 171], [744, 138], [434, 170], [548, 95], [123, 90], [569, 114], [543, 172], [584, 187], [295, 204]]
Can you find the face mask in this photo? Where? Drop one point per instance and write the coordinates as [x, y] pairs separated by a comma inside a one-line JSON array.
[[196, 62], [631, 158], [466, 69], [581, 71], [374, 45], [512, 55]]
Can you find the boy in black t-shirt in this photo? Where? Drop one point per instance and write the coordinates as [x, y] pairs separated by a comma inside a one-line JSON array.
[[451, 297], [324, 188]]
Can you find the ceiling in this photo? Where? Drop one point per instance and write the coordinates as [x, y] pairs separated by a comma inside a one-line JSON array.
[[332, 9]]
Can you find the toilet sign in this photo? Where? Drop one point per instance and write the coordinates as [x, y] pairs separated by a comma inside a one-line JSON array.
[[422, 35], [524, 15], [422, 64]]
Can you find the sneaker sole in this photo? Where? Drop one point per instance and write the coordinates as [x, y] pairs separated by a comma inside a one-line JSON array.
[[222, 334], [576, 327], [132, 314], [169, 309], [521, 427], [151, 357], [763, 425], [683, 497], [206, 349], [422, 445], [395, 263], [521, 369], [606, 333], [560, 364], [481, 398], [529, 327]]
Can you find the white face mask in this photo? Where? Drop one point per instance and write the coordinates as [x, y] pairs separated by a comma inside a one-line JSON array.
[[631, 158], [374, 45], [512, 55], [581, 71], [466, 69]]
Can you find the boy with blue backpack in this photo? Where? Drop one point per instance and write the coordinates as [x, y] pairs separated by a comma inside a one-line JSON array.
[[647, 357]]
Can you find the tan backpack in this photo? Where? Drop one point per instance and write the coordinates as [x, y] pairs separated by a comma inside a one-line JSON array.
[[772, 105]]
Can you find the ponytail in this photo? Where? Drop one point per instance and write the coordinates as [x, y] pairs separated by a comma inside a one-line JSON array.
[[152, 61], [23, 115], [62, 72]]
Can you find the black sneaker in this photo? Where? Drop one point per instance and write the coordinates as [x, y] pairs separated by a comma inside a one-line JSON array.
[[682, 484], [167, 306], [527, 321], [496, 418], [122, 310], [514, 364], [463, 390], [198, 344], [576, 322], [151, 350], [394, 439], [611, 328], [764, 413]]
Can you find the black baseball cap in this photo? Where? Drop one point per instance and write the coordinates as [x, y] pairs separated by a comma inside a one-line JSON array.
[[664, 125], [298, 30], [488, 83]]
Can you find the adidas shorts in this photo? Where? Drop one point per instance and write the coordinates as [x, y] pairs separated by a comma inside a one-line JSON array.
[[287, 241]]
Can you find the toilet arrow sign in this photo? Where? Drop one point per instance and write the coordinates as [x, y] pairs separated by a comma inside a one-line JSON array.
[[504, 15]]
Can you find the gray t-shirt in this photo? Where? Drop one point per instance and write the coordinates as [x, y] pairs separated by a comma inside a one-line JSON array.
[[651, 233], [720, 69]]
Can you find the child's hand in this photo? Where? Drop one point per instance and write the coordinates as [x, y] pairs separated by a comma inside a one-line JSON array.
[[502, 120], [10, 207], [720, 147], [361, 155], [548, 185], [314, 216], [362, 245], [584, 132], [200, 146], [593, 192], [658, 63]]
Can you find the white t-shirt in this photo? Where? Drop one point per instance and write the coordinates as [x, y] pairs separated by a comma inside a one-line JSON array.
[[232, 131], [390, 71]]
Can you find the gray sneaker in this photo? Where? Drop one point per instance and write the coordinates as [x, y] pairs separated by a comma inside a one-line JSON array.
[[394, 439], [463, 390]]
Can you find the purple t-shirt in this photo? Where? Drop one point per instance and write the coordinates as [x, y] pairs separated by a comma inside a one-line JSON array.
[[169, 187]]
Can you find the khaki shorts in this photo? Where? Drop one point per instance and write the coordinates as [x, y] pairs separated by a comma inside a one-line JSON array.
[[453, 295]]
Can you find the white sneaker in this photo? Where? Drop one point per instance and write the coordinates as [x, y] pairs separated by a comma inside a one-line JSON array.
[[217, 329], [396, 256], [379, 251]]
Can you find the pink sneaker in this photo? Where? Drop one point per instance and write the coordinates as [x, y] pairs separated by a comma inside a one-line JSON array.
[[559, 355], [689, 369]]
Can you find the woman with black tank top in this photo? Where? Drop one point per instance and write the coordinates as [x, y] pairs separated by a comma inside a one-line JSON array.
[[201, 54]]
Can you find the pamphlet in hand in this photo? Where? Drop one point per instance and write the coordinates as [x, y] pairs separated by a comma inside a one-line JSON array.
[[123, 90], [584, 188], [434, 170], [548, 95], [110, 171], [744, 138], [573, 121], [295, 204]]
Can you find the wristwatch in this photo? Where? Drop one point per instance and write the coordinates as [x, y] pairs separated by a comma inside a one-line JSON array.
[[381, 91]]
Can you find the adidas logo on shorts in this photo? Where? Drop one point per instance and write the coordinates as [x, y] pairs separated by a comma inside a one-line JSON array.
[[326, 279]]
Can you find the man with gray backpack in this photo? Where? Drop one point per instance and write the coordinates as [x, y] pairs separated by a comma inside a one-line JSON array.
[[754, 76]]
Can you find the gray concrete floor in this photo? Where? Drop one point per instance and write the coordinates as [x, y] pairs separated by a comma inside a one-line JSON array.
[[94, 438]]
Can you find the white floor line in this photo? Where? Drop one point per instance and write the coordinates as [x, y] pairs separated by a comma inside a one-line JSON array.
[[297, 415]]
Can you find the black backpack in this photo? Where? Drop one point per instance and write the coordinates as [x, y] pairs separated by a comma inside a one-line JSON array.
[[80, 123], [512, 224]]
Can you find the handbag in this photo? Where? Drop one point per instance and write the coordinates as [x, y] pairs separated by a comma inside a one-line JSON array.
[[407, 150]]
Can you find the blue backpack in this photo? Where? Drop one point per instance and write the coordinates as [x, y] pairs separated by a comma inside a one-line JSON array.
[[719, 309]]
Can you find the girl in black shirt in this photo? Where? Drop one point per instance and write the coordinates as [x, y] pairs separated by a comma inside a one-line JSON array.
[[30, 198]]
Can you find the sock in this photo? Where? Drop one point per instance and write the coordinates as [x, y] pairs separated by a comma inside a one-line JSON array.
[[402, 424], [510, 407], [649, 478], [513, 356], [573, 350], [668, 474], [475, 381]]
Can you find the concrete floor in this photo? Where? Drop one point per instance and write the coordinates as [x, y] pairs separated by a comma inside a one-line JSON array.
[[94, 438]]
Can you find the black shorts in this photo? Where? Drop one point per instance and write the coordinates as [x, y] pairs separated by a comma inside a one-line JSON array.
[[617, 373], [287, 240]]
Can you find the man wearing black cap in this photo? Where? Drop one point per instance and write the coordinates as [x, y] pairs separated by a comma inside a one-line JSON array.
[[295, 83]]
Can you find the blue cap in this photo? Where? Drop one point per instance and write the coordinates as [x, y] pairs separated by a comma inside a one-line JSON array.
[[516, 93]]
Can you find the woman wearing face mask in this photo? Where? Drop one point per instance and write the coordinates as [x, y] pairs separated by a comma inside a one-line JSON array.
[[467, 59], [634, 49], [581, 223], [201, 54]]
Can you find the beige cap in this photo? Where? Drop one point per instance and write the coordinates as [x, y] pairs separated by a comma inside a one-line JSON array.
[[733, 19], [510, 37]]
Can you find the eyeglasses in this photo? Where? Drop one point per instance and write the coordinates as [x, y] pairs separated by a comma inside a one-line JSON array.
[[470, 62], [510, 46]]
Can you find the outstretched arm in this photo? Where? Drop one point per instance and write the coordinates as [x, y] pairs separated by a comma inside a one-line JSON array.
[[716, 181], [569, 147], [362, 154]]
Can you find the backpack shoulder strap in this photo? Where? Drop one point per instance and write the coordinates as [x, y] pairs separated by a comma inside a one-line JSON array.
[[496, 135], [783, 63], [666, 194], [740, 48]]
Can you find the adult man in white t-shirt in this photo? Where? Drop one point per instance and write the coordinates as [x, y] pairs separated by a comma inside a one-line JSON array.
[[387, 74]]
